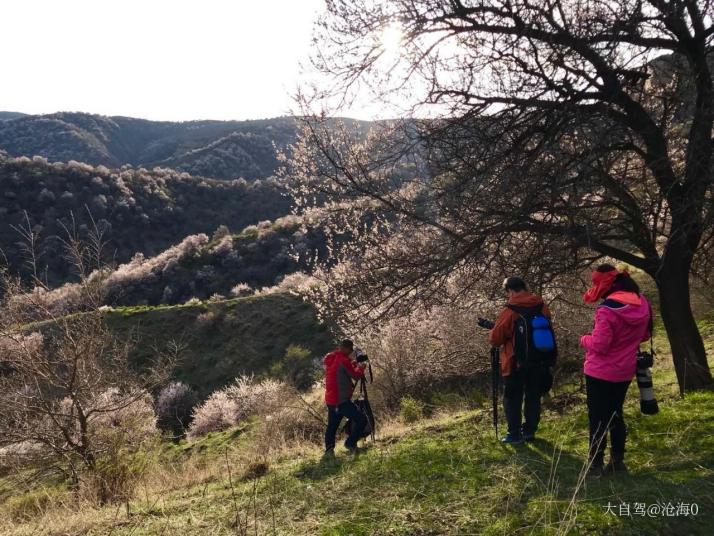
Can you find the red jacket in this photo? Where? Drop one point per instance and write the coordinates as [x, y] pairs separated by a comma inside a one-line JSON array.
[[502, 332], [340, 371]]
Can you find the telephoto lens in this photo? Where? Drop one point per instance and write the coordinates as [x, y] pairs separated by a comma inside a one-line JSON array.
[[648, 402]]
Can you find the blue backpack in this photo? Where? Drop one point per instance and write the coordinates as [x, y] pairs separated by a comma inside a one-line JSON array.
[[533, 336]]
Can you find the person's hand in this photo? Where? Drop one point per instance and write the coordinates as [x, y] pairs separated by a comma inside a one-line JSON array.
[[484, 323], [362, 365]]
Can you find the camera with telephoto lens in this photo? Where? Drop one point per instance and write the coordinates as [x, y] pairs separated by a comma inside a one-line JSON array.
[[648, 402]]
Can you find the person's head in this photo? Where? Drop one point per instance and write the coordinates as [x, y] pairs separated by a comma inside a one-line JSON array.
[[605, 268], [346, 346], [514, 285], [606, 280]]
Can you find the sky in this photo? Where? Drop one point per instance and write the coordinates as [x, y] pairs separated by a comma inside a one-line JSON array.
[[156, 59]]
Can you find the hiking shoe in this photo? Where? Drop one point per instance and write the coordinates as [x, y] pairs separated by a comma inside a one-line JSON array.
[[596, 471], [510, 439], [615, 466], [329, 455], [354, 451], [528, 437]]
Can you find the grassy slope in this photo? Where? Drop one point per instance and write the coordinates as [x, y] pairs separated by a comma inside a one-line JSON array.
[[444, 476], [447, 475], [244, 335]]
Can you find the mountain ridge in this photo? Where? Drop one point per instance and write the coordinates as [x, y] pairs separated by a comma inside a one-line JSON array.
[[210, 148]]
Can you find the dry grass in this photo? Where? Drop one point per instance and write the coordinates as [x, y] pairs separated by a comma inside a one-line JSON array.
[[208, 467], [445, 474]]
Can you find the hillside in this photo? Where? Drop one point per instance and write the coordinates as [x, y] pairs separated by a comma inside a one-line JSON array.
[[437, 471], [140, 211], [218, 149], [264, 257], [4, 116], [257, 257], [226, 339], [444, 475], [222, 149]]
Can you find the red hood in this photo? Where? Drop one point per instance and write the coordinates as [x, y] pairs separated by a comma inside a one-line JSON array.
[[525, 299]]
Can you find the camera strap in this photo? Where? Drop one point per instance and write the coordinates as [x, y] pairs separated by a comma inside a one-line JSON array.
[[651, 328]]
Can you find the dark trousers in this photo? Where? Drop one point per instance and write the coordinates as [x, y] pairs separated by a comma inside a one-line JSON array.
[[523, 383], [605, 400], [334, 417]]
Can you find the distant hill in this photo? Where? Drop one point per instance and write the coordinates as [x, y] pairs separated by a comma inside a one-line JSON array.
[[260, 256], [141, 211], [266, 258], [4, 116], [218, 149]]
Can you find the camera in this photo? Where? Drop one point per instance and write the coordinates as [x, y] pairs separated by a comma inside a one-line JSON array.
[[645, 360], [484, 323], [362, 358]]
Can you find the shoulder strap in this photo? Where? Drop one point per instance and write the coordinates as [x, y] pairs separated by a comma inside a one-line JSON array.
[[535, 310]]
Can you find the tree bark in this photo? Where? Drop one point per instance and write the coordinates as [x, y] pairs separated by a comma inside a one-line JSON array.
[[688, 353]]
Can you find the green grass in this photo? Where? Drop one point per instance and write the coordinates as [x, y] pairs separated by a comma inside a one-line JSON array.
[[450, 476], [245, 335], [446, 475]]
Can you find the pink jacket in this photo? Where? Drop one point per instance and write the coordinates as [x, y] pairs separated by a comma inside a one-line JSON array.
[[622, 322]]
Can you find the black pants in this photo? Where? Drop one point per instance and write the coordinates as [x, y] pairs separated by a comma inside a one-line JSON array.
[[605, 400], [523, 383], [334, 417]]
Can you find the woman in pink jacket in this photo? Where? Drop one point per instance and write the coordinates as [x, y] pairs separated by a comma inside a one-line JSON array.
[[622, 322]]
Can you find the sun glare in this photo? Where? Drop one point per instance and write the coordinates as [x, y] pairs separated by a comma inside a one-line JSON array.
[[391, 39]]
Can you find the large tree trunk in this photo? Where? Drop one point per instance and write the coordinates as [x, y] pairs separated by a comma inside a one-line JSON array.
[[688, 354]]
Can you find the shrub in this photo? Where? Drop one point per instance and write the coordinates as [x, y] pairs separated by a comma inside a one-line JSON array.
[[241, 289], [451, 401], [297, 368], [300, 419], [122, 438], [215, 414], [221, 231], [410, 409], [206, 319], [30, 505], [174, 407], [117, 472], [244, 398], [255, 398]]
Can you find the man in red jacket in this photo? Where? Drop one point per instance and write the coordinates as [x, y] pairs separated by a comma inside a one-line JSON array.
[[521, 381], [340, 373]]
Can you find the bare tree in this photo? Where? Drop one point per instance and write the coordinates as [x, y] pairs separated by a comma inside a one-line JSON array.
[[66, 378], [578, 128]]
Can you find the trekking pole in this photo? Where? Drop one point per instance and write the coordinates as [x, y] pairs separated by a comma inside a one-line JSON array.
[[495, 375]]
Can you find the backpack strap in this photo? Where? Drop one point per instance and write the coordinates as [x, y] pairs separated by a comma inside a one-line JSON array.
[[536, 309]]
